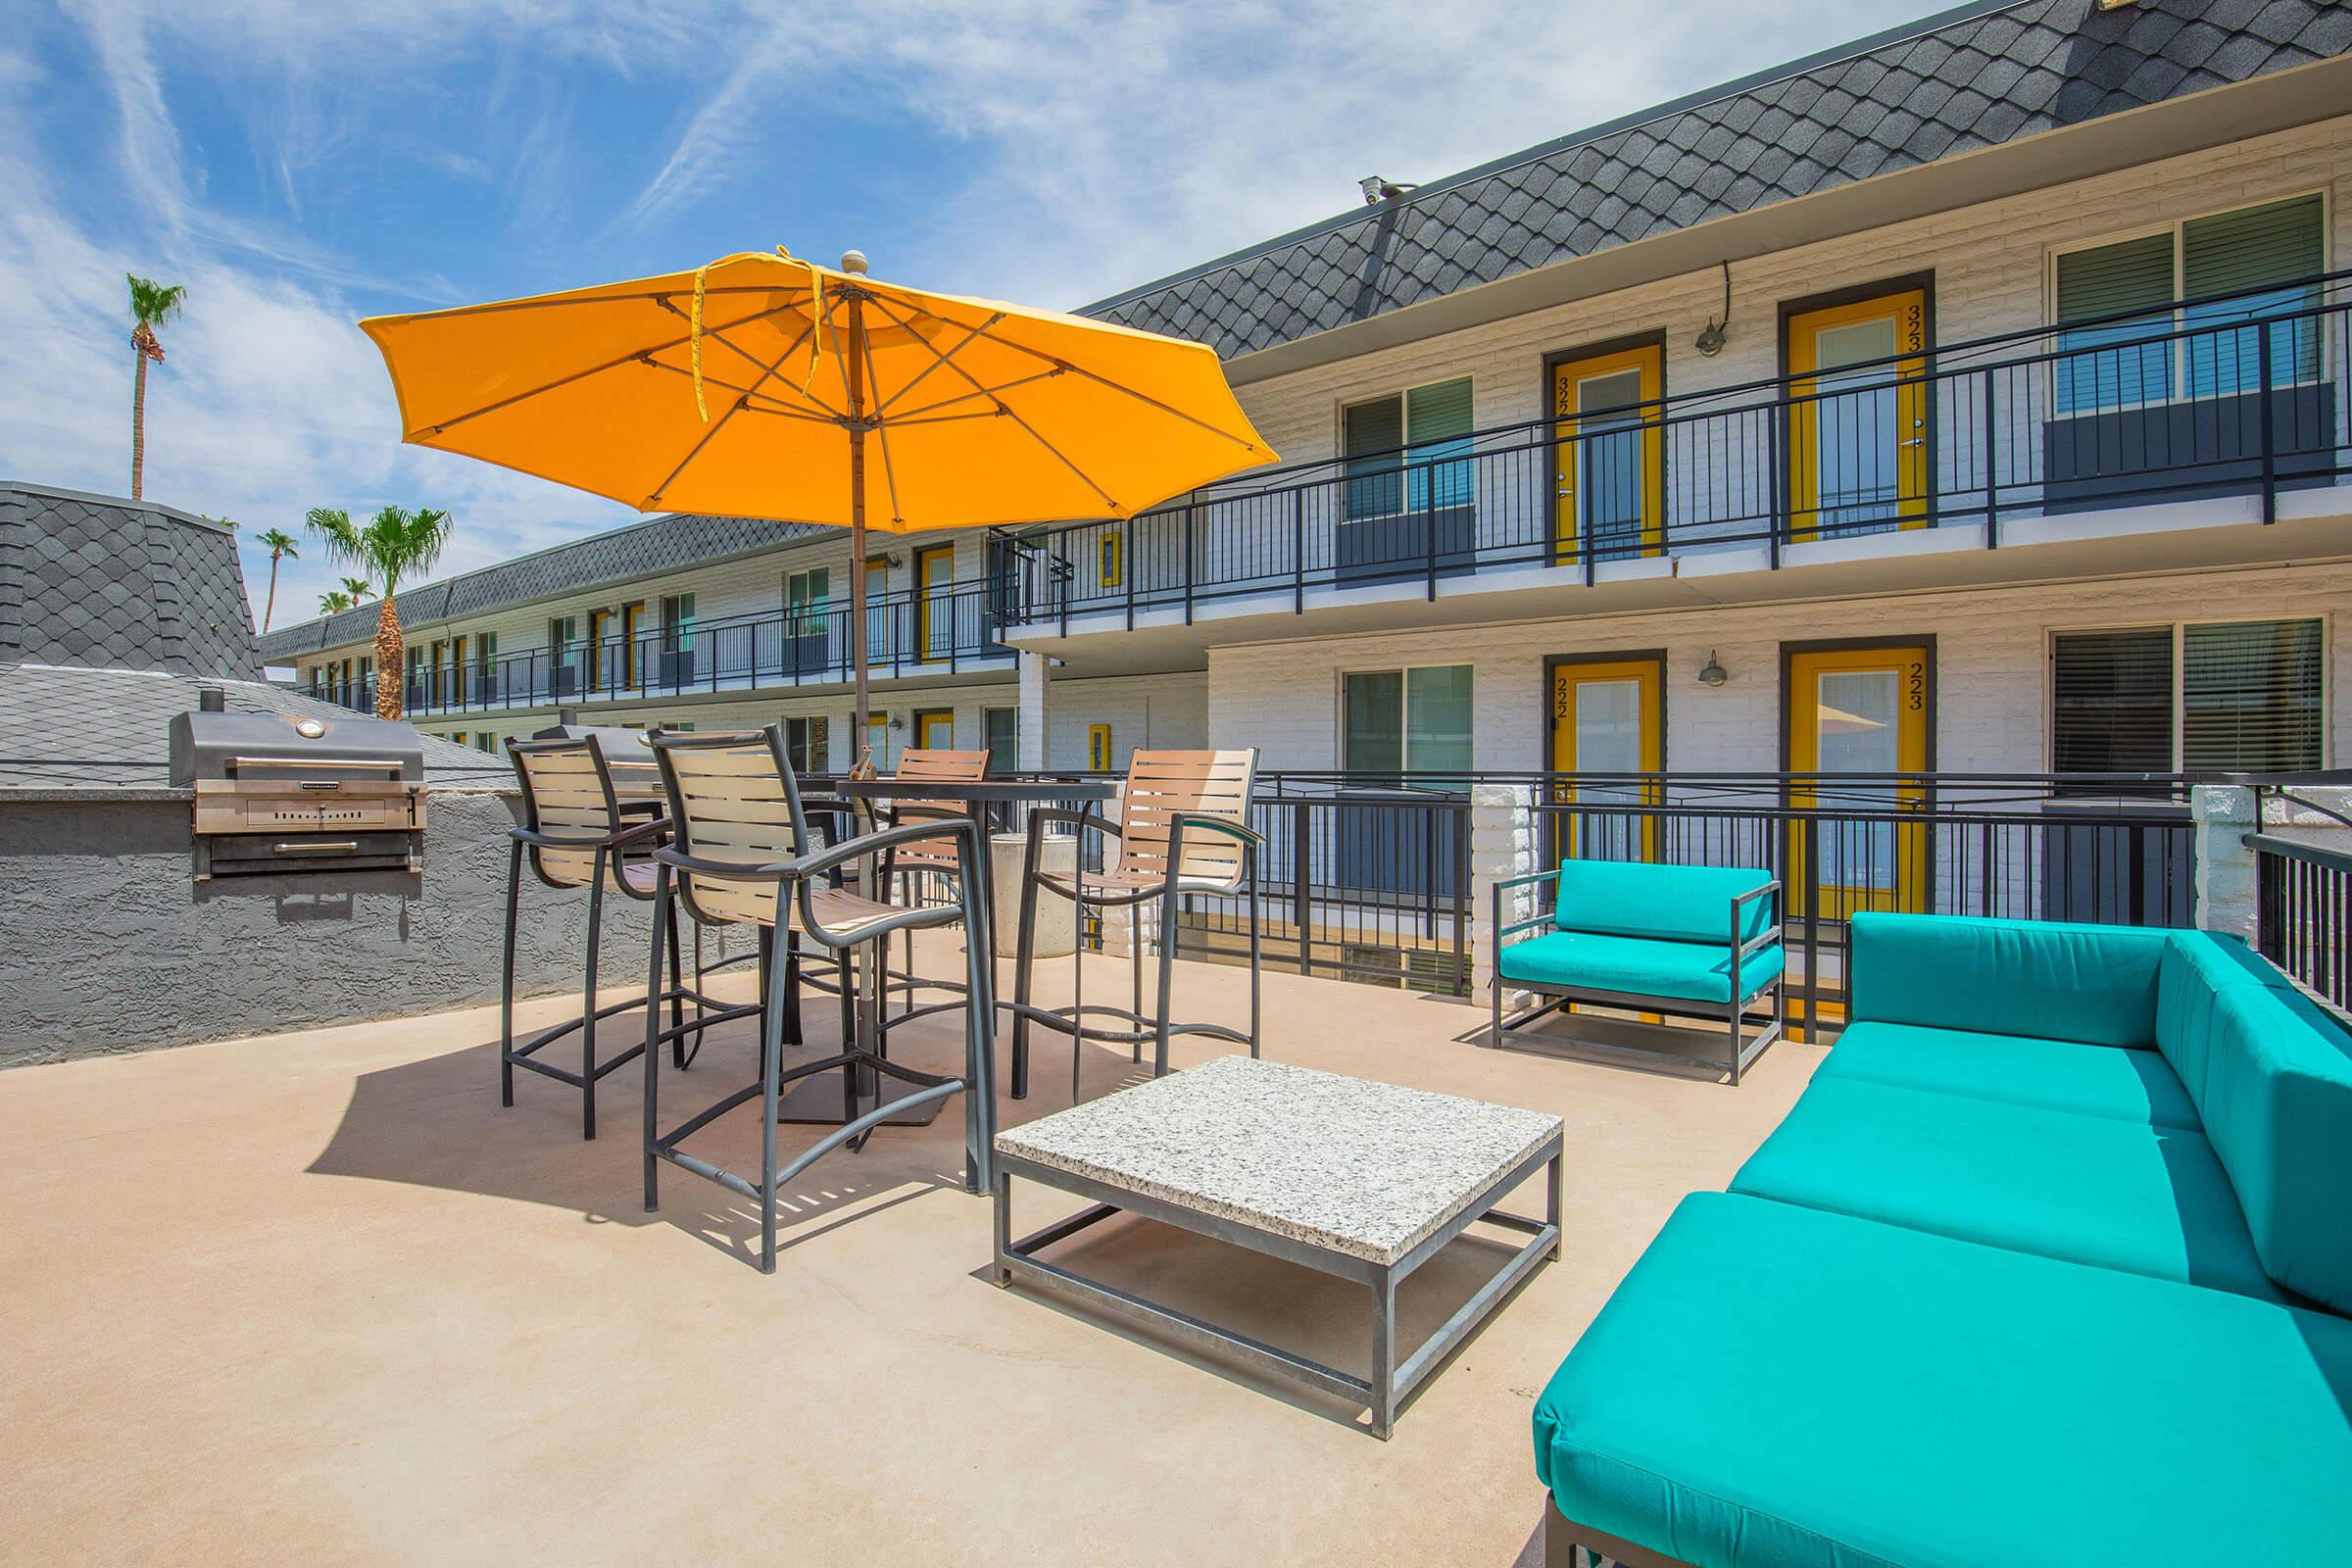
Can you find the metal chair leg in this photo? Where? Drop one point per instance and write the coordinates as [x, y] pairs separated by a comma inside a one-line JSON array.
[[1256, 955], [1024, 956], [1171, 906], [771, 1069], [678, 1006], [665, 919], [506, 995], [596, 930]]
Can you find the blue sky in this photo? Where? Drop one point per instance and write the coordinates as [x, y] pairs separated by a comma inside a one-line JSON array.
[[299, 165]]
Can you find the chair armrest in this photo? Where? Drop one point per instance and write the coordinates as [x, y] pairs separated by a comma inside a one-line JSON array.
[[1225, 825], [695, 866], [560, 841], [1549, 918], [875, 843], [1762, 939], [1081, 821], [653, 829]]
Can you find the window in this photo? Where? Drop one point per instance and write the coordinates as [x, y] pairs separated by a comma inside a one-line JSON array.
[[485, 741], [1389, 444], [1406, 720], [2241, 254], [808, 746], [562, 661], [2206, 697], [677, 622], [806, 594], [1000, 732]]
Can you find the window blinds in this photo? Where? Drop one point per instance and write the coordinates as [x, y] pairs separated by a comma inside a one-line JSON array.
[[1437, 422], [2250, 696], [2135, 274], [2112, 702], [2278, 243], [1370, 435]]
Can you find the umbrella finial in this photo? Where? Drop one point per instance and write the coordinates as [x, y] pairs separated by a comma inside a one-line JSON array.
[[853, 262]]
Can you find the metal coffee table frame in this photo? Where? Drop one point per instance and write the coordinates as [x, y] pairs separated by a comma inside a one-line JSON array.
[[1390, 1383]]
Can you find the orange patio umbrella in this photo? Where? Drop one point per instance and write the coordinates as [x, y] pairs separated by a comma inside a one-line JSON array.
[[764, 385]]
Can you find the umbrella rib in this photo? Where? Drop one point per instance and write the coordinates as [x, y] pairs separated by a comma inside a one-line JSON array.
[[630, 358], [1115, 386], [913, 416], [889, 473], [970, 333], [718, 424], [1064, 458], [771, 404]]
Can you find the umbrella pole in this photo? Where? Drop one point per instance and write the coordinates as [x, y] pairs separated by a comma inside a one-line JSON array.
[[853, 377]]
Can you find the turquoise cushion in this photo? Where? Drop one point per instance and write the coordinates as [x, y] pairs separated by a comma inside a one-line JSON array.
[[1690, 971], [2135, 1086], [2084, 1189], [1672, 902], [2272, 1077], [2198, 967], [2093, 983], [1774, 1387]]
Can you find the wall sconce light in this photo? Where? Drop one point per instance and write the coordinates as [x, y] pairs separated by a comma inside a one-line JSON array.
[[1713, 335], [897, 723], [1712, 673]]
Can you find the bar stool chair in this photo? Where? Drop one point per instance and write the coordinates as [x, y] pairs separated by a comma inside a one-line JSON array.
[[744, 854], [576, 835], [936, 860], [1183, 829]]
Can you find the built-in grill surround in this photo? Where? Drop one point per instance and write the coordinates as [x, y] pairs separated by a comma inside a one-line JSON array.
[[283, 795]]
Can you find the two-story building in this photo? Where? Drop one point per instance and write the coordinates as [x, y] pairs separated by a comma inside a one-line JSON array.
[[1970, 399]]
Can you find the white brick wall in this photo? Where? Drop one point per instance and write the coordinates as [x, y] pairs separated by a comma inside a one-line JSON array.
[[1990, 264], [1992, 650]]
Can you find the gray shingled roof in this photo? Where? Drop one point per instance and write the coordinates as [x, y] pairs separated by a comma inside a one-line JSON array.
[[98, 580], [68, 729], [1953, 83], [657, 544]]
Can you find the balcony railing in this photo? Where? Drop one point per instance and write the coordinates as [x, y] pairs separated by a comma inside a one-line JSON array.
[[2232, 395], [2303, 901], [936, 632]]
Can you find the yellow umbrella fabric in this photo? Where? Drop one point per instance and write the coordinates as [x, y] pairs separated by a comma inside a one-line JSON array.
[[764, 385], [977, 411]]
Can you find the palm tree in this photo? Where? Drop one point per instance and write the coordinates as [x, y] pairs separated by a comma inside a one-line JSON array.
[[334, 603], [396, 544], [152, 304], [360, 589], [278, 543]]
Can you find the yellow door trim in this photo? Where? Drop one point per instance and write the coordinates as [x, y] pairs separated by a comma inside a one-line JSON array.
[[1914, 667], [1648, 673], [1567, 375], [927, 718], [1909, 308], [1098, 748]]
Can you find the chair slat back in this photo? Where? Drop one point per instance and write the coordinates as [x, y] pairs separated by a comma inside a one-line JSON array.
[[563, 794], [1162, 786], [936, 762], [733, 799]]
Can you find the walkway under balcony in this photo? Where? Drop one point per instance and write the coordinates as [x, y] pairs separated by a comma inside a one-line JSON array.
[[389, 1322], [2131, 442], [937, 637]]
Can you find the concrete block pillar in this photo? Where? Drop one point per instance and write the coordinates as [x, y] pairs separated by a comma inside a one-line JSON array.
[[1503, 842], [2225, 879], [1036, 673]]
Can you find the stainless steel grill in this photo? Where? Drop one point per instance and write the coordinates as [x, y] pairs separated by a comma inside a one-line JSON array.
[[289, 793]]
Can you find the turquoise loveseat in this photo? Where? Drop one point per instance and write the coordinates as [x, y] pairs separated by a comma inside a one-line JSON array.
[[2050, 1265], [1691, 941]]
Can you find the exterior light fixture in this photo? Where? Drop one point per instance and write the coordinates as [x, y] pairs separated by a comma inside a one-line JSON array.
[[1711, 336], [1712, 673]]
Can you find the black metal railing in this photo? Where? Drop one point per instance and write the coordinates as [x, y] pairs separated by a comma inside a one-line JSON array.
[[925, 632], [2232, 395], [2303, 902]]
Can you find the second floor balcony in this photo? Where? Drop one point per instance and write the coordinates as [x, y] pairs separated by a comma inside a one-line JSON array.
[[2234, 400], [927, 634]]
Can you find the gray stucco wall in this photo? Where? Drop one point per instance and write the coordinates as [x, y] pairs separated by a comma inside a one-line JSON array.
[[107, 944]]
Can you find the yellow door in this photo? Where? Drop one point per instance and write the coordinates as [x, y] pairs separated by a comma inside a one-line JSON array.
[[1608, 719], [935, 604], [1610, 465], [631, 618], [1098, 748], [599, 628], [935, 729], [1860, 711], [1858, 416]]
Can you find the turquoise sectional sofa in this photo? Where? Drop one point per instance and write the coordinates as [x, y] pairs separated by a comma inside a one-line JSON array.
[[2051, 1265]]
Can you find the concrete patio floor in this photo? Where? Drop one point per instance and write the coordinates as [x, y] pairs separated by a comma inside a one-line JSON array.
[[316, 1298]]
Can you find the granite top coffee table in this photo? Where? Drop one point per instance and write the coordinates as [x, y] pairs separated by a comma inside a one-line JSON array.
[[1365, 1181]]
